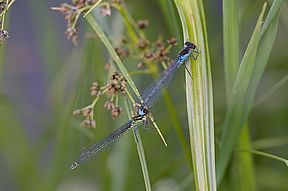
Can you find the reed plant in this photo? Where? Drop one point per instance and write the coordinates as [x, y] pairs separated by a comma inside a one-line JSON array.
[[197, 143]]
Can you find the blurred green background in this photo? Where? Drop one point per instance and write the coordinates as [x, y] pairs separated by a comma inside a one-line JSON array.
[[44, 77]]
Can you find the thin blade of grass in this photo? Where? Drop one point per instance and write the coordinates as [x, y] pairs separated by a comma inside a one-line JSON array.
[[140, 150], [271, 90], [270, 142], [178, 128], [199, 96], [130, 24], [89, 11], [171, 18], [233, 121], [239, 110], [173, 22], [231, 42], [246, 170], [281, 159]]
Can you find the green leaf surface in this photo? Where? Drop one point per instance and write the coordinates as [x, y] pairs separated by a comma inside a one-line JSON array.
[[250, 71], [199, 96]]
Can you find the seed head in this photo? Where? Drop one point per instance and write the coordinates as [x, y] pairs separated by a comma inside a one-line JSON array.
[[106, 10], [87, 111], [122, 52], [77, 112], [142, 44], [159, 43], [141, 65], [3, 6], [148, 54], [3, 35], [142, 24], [162, 53], [109, 105], [116, 111], [95, 89], [88, 123], [107, 66], [172, 41], [124, 40]]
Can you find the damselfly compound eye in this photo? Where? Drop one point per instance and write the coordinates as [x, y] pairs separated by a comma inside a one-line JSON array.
[[190, 45]]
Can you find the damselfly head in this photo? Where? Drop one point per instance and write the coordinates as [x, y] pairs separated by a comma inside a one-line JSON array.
[[190, 45]]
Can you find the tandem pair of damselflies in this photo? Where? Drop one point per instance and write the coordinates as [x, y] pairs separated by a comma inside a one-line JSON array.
[[147, 99]]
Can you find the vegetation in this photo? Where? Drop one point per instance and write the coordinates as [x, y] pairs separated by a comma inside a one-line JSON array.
[[228, 132]]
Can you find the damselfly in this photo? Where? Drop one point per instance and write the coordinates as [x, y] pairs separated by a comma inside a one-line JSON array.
[[147, 99]]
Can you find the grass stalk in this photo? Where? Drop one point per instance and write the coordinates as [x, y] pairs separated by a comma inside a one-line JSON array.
[[231, 45], [233, 122], [140, 150], [270, 142], [245, 162], [246, 82], [231, 42], [199, 96], [272, 90], [281, 159]]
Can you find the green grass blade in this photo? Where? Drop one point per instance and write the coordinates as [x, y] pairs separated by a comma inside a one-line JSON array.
[[272, 90], [141, 153], [244, 89], [234, 117], [281, 159], [231, 42], [199, 96], [268, 36], [284, 13], [246, 167], [179, 130], [130, 24], [171, 18], [270, 142]]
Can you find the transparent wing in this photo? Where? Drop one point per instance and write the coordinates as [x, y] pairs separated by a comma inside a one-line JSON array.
[[93, 149], [155, 90]]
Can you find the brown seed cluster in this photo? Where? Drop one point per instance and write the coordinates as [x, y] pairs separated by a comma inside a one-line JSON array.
[[3, 35], [3, 6], [86, 112], [73, 11], [71, 15], [157, 51], [142, 24], [115, 110], [122, 52], [115, 86], [95, 89], [106, 10], [172, 41], [142, 44]]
